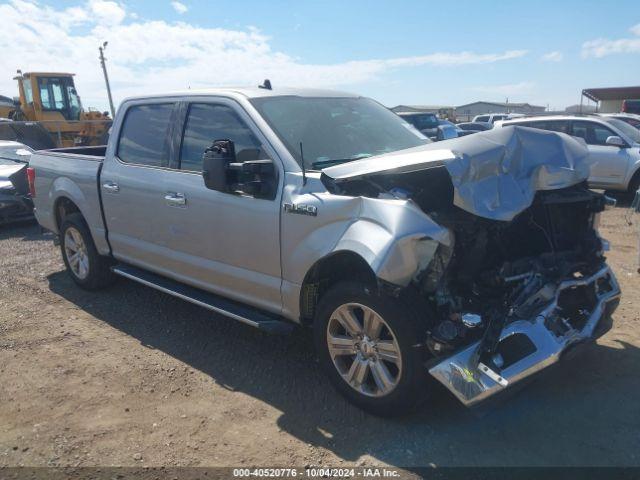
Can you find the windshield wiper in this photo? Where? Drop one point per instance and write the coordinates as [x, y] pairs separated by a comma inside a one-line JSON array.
[[337, 161]]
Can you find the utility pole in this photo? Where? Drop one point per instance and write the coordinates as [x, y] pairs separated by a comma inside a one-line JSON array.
[[106, 78]]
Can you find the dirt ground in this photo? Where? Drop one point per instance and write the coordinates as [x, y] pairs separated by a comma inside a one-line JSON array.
[[130, 376]]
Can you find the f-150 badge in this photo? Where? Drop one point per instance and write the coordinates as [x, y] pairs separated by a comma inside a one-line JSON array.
[[301, 209]]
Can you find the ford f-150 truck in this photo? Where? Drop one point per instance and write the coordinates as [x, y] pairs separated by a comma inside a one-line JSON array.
[[475, 261]]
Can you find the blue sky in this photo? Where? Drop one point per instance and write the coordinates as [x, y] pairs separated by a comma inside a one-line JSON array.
[[397, 52]]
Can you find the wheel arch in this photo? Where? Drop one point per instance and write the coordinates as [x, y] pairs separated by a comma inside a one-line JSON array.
[[634, 179], [63, 207], [342, 265]]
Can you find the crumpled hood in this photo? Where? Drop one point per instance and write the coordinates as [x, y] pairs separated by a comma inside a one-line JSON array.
[[495, 174]]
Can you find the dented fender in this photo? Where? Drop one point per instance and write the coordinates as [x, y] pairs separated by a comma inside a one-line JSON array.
[[394, 237]]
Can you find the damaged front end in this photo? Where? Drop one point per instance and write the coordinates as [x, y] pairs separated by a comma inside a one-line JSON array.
[[523, 277], [513, 297], [15, 202]]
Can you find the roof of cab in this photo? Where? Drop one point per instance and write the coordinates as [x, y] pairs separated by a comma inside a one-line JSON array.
[[249, 92]]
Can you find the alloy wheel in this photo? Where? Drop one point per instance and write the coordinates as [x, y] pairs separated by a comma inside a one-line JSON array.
[[364, 349], [76, 252]]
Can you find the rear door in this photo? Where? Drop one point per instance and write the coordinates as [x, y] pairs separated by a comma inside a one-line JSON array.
[[223, 242], [132, 183], [608, 163]]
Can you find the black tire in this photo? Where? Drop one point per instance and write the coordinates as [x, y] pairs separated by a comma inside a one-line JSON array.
[[411, 388], [99, 272], [634, 185]]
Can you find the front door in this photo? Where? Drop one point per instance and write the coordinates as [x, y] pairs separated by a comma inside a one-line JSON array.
[[226, 243], [608, 163]]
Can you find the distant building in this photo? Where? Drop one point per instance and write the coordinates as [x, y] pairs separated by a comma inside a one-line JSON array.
[[465, 113], [610, 99], [581, 109]]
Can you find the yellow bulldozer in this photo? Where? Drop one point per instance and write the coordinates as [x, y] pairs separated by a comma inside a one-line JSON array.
[[52, 100]]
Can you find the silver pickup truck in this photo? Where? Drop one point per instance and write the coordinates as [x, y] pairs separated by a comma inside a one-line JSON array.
[[474, 261]]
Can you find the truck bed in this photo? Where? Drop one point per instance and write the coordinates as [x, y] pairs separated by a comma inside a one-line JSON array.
[[96, 151], [73, 173]]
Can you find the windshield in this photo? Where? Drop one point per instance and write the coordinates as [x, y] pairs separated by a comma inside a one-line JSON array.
[[336, 130], [11, 155], [630, 132]]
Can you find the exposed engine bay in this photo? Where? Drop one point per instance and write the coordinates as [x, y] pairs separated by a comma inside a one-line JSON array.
[[496, 271], [524, 276]]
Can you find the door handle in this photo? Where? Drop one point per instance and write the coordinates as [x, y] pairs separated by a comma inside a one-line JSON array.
[[175, 199], [111, 187]]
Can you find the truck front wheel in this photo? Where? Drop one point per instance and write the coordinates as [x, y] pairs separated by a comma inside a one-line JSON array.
[[368, 344], [85, 266]]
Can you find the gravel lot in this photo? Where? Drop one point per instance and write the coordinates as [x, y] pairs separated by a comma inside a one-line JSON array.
[[130, 376]]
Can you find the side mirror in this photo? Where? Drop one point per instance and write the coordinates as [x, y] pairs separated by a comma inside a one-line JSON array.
[[223, 172], [215, 161], [253, 177], [616, 141]]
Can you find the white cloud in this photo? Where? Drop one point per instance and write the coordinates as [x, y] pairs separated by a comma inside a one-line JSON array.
[[602, 47], [106, 12], [521, 88], [146, 56], [179, 7], [553, 56], [452, 59]]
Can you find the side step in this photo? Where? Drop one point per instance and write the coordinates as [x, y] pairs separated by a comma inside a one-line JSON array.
[[237, 311]]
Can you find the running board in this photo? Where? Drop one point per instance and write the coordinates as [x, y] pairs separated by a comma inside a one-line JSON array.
[[237, 311]]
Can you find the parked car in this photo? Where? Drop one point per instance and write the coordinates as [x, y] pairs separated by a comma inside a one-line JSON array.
[[448, 130], [475, 127], [494, 117], [15, 203], [614, 147], [294, 206], [630, 118], [430, 125], [631, 106]]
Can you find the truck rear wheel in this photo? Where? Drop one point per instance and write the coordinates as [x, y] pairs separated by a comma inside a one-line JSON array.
[[85, 266], [368, 345]]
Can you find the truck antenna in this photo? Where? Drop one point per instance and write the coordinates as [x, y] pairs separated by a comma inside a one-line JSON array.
[[304, 172]]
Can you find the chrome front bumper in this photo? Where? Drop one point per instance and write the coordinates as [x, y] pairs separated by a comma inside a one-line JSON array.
[[474, 383]]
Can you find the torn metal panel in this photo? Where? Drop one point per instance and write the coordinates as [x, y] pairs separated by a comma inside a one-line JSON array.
[[395, 237], [495, 174]]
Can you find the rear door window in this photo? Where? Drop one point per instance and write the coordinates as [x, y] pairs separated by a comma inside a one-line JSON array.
[[561, 126], [143, 139]]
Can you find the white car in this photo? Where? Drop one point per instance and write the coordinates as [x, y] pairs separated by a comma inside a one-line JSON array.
[[614, 146], [495, 117]]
